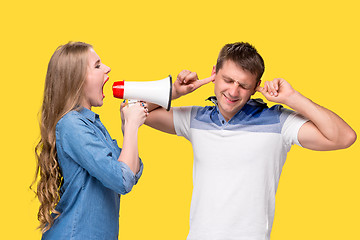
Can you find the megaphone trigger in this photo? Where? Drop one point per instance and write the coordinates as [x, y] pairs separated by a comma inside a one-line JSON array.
[[131, 101]]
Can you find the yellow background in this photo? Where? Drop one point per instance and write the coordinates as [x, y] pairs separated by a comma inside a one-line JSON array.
[[312, 44]]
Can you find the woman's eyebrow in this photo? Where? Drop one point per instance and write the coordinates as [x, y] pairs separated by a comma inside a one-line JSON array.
[[97, 62]]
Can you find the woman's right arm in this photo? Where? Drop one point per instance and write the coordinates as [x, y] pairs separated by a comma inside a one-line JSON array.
[[78, 141], [133, 116]]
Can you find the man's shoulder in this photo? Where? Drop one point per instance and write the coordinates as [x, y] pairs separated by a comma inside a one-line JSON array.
[[198, 113], [193, 109]]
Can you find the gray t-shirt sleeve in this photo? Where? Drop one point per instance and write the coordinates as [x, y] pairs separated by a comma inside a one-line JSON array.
[[181, 116], [292, 122]]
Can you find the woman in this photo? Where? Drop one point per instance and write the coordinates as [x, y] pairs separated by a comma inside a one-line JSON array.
[[82, 170]]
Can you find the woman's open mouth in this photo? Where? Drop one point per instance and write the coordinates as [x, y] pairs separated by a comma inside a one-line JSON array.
[[103, 87]]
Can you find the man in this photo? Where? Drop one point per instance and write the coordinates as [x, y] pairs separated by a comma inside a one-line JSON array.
[[240, 145]]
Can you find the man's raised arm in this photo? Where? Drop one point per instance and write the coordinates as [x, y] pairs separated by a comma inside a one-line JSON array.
[[325, 130]]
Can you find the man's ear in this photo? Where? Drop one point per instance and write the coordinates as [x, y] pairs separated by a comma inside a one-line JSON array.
[[257, 85], [213, 72]]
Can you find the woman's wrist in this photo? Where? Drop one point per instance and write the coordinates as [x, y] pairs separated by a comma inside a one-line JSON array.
[[130, 126]]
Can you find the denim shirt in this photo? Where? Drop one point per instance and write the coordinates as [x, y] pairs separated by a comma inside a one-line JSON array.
[[93, 179]]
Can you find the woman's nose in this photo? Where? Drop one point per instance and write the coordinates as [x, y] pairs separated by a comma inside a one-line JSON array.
[[107, 69]]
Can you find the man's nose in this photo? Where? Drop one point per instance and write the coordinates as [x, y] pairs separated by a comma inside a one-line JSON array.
[[234, 90]]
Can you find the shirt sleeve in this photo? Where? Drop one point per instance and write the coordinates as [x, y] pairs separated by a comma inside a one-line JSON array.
[[181, 116], [80, 143], [126, 168], [291, 124]]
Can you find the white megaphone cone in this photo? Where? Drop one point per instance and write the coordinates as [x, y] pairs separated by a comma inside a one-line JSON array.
[[158, 92]]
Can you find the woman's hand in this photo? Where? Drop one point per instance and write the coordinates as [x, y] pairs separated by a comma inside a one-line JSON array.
[[133, 114]]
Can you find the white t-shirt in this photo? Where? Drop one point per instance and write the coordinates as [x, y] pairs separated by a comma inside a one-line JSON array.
[[237, 166]]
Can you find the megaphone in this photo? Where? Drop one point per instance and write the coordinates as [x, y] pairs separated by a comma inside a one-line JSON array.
[[158, 92]]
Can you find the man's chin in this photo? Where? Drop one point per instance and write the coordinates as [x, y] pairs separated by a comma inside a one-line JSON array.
[[231, 106]]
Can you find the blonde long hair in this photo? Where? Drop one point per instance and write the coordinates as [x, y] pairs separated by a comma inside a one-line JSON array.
[[63, 92]]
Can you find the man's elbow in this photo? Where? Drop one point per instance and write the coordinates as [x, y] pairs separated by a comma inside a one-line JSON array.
[[352, 138], [348, 140]]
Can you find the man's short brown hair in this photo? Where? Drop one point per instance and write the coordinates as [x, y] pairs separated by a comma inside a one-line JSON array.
[[243, 54]]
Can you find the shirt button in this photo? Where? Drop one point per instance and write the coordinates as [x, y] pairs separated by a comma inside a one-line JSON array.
[[223, 121]]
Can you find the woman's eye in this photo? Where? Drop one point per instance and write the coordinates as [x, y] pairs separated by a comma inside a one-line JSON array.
[[97, 66]]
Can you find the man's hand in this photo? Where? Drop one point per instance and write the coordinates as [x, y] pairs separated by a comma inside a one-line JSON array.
[[277, 90], [187, 82]]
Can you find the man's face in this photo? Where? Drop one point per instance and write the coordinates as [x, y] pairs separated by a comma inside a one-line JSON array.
[[233, 88]]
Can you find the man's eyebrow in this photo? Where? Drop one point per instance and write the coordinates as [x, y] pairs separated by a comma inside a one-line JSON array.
[[228, 78], [231, 79]]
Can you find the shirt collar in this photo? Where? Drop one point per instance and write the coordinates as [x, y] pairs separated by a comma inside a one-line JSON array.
[[216, 110], [257, 102], [88, 114], [214, 101]]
